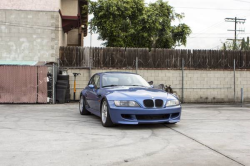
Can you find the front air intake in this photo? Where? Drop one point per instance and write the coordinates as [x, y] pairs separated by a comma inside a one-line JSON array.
[[153, 117], [158, 103], [148, 103]]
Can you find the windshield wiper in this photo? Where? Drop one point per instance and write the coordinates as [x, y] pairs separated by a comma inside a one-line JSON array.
[[109, 86]]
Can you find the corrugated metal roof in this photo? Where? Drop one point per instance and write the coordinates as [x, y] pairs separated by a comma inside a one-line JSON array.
[[26, 63]]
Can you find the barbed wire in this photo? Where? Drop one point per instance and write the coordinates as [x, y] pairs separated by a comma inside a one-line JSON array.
[[208, 59]]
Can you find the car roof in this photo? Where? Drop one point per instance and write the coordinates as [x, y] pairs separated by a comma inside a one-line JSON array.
[[116, 72]]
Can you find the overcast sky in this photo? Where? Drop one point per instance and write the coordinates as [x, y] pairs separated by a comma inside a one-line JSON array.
[[207, 21]]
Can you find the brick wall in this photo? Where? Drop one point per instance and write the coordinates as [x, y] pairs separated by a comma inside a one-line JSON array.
[[200, 86], [29, 35]]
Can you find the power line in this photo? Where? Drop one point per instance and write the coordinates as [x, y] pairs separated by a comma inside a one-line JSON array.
[[193, 40], [217, 33], [236, 21], [242, 1], [217, 46], [209, 28], [207, 37], [218, 24], [199, 8]]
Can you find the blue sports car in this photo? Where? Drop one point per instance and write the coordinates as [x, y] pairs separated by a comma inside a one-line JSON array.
[[126, 98]]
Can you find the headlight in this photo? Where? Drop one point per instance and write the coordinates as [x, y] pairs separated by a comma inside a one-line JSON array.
[[172, 103], [126, 104]]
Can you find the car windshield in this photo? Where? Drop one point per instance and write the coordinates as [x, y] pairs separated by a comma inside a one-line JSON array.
[[110, 80]]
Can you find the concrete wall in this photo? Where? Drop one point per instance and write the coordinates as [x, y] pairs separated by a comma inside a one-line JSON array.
[[38, 5], [200, 86], [31, 30], [63, 37], [30, 35]]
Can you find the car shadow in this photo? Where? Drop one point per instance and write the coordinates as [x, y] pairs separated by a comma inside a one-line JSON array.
[[97, 120], [139, 126], [144, 126]]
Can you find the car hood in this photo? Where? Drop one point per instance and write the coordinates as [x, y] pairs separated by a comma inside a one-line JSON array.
[[136, 93]]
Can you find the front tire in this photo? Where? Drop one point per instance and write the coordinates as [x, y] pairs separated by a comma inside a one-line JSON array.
[[105, 116], [82, 108], [170, 123]]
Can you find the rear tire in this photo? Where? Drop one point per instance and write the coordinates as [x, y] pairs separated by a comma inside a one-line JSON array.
[[82, 108], [105, 116]]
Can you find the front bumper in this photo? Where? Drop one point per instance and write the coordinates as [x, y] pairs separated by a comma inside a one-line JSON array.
[[139, 115]]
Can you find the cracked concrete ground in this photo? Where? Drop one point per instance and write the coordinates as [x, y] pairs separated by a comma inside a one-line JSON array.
[[32, 135]]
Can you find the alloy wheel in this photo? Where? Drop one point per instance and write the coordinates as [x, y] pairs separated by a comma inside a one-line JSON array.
[[81, 104], [104, 112]]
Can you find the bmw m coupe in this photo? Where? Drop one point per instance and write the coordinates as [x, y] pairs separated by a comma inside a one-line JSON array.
[[126, 98]]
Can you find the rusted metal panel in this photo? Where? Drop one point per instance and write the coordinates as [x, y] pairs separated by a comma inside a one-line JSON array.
[[19, 84]]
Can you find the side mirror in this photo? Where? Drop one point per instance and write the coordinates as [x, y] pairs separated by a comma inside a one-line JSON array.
[[91, 86], [151, 82]]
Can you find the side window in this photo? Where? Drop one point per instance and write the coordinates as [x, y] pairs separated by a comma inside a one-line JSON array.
[[91, 81], [97, 81]]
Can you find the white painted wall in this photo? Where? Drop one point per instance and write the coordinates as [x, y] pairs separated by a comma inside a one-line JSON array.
[[73, 37], [69, 7], [40, 5], [63, 37]]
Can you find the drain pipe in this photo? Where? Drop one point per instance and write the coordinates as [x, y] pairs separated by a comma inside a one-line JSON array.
[[242, 97], [53, 85], [75, 75], [234, 84], [136, 65], [183, 80]]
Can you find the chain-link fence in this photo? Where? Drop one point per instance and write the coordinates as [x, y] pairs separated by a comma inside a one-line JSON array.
[[52, 77]]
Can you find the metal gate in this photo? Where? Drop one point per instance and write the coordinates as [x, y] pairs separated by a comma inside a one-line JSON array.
[[23, 84]]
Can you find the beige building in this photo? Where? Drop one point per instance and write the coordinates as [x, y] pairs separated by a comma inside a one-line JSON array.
[[32, 31]]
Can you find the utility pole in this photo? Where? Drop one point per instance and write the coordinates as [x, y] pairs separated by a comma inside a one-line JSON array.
[[236, 21], [90, 51]]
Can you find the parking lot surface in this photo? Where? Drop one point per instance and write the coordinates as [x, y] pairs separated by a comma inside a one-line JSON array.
[[32, 135]]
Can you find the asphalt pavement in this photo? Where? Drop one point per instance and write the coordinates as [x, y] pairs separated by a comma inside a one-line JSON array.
[[45, 135]]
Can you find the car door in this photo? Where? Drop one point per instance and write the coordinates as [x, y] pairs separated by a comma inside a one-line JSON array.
[[88, 93], [92, 94]]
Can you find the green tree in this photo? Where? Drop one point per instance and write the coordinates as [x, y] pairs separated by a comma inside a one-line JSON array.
[[243, 45], [246, 45], [132, 23]]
